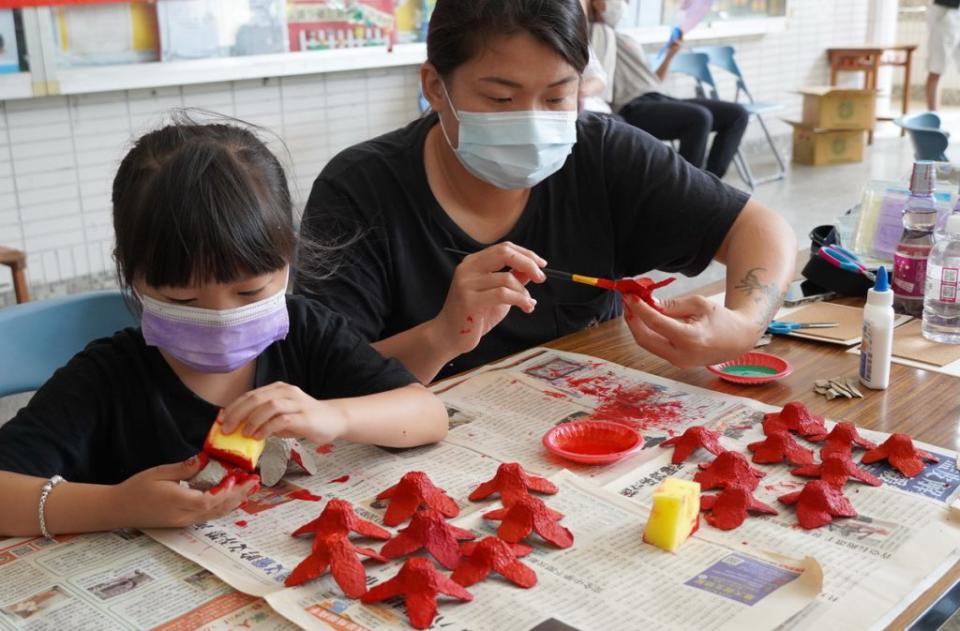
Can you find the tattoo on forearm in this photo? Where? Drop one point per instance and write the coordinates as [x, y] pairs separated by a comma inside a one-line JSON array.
[[767, 296]]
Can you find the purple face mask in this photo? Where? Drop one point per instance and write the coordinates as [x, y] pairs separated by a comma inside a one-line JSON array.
[[214, 341]]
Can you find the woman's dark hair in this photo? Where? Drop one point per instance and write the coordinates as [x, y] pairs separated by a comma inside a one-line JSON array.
[[460, 28], [195, 203]]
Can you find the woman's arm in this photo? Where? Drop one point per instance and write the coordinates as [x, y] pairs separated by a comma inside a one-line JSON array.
[[760, 252], [672, 51]]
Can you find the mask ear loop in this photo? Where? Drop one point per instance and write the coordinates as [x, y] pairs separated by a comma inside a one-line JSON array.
[[453, 108]]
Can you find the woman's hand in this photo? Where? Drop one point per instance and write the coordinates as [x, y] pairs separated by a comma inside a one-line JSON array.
[[482, 293], [155, 499], [692, 331], [284, 410]]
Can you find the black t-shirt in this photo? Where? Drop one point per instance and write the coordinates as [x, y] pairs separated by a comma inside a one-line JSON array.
[[118, 408], [623, 204], [953, 4]]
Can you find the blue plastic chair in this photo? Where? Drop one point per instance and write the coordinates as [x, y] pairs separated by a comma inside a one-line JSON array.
[[696, 65], [36, 338], [929, 141], [724, 57]]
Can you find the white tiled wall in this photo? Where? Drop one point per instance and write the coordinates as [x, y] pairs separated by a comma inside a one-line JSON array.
[[58, 155]]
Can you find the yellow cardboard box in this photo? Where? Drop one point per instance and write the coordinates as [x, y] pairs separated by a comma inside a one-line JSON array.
[[839, 108], [819, 147]]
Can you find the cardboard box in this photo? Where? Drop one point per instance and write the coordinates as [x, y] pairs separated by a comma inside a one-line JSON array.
[[839, 108], [819, 147]]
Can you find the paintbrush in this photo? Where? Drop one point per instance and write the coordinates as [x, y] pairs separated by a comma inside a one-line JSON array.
[[627, 285]]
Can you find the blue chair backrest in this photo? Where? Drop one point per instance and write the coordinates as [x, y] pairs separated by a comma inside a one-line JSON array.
[[36, 338], [929, 141], [696, 66], [724, 57]]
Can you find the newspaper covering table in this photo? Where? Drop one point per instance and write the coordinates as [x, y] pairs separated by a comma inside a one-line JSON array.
[[118, 580], [855, 573]]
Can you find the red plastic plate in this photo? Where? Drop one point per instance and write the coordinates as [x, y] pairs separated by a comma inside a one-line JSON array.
[[592, 442], [753, 369]]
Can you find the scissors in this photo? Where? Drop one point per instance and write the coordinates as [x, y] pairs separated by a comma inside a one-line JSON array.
[[778, 327], [845, 260]]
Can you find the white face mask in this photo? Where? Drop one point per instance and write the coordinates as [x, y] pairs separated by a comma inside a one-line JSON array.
[[513, 150], [614, 12]]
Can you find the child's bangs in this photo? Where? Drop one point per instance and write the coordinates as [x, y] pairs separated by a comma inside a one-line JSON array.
[[206, 220]]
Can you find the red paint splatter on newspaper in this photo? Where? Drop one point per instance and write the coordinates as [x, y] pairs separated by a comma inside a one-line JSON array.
[[325, 449], [306, 496], [340, 480]]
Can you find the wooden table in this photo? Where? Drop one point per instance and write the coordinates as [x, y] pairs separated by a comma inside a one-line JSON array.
[[868, 60], [921, 403]]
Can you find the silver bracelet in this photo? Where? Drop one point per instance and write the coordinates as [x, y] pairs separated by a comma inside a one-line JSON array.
[[44, 493]]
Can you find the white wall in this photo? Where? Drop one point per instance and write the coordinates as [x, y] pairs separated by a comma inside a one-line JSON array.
[[58, 155]]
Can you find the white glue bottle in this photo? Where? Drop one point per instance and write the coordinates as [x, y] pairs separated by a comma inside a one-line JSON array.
[[876, 349]]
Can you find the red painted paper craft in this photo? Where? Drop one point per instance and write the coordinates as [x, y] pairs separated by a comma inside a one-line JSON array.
[[818, 503], [898, 450], [800, 420], [419, 582], [728, 469], [779, 447], [836, 469], [414, 490], [728, 509], [529, 514], [694, 438], [640, 287], [338, 517], [494, 555], [342, 556], [512, 482], [429, 530]]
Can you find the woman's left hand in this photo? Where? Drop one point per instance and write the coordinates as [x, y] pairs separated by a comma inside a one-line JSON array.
[[692, 331], [284, 410]]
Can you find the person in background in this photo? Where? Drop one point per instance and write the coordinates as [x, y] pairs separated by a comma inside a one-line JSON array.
[[943, 23], [503, 168], [638, 97]]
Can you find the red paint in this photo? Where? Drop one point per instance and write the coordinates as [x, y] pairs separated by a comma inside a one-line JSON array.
[[529, 514], [779, 447], [836, 469], [494, 555], [512, 482], [305, 495], [337, 552], [242, 523], [797, 418], [728, 469], [414, 490], [325, 449], [226, 484], [728, 509], [430, 531], [555, 395], [694, 438], [419, 582], [231, 457], [340, 480], [638, 406], [338, 517], [818, 504], [899, 452]]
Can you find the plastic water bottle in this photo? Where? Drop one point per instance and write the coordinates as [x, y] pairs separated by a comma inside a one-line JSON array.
[[910, 256], [941, 306]]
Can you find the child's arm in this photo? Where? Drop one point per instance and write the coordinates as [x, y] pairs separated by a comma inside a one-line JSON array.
[[150, 499], [404, 417]]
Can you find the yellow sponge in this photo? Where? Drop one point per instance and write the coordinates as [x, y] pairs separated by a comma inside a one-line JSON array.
[[234, 448], [675, 515]]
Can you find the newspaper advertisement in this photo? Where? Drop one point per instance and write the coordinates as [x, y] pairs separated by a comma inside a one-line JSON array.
[[118, 580]]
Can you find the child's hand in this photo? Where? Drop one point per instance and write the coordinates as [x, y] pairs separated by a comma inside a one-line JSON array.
[[284, 410], [155, 499]]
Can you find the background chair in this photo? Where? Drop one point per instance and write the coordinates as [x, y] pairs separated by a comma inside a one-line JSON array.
[[929, 141], [38, 337], [723, 57]]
